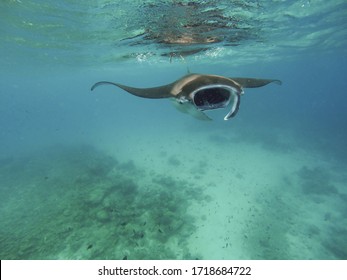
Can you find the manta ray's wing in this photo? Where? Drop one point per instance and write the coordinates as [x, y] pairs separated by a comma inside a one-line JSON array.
[[254, 83], [154, 92]]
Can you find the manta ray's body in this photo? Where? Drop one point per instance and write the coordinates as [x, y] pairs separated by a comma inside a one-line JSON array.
[[195, 93]]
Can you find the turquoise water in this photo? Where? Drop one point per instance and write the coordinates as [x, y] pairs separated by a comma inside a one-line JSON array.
[[107, 175]]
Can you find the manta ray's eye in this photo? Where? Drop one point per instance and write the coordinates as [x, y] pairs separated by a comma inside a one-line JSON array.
[[212, 98]]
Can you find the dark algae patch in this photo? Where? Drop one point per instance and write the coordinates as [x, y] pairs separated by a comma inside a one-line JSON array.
[[316, 180], [79, 203]]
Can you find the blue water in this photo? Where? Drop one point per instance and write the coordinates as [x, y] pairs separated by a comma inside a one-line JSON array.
[[107, 175]]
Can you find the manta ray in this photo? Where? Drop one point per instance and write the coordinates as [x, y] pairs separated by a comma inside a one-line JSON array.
[[196, 93]]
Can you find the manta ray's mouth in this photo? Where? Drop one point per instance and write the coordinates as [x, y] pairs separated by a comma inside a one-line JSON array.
[[215, 97]]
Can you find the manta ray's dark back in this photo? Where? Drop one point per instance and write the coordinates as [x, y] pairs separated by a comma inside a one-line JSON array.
[[196, 93]]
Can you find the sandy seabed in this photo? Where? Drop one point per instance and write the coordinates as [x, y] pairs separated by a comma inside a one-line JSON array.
[[202, 196]]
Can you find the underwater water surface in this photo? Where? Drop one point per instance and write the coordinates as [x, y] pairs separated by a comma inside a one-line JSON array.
[[107, 175]]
